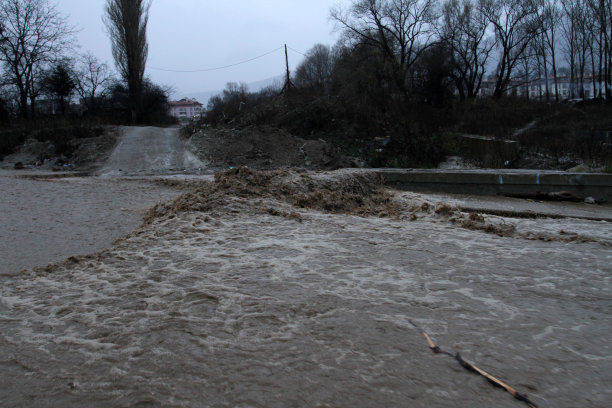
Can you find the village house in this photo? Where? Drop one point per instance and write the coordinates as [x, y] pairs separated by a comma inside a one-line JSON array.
[[535, 89], [185, 109]]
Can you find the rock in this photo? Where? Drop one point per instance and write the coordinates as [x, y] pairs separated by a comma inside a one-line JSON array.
[[590, 200], [19, 166], [581, 168]]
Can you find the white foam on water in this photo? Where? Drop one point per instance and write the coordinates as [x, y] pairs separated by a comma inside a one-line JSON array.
[[238, 307]]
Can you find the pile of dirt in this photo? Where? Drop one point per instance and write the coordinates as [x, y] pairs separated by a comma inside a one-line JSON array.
[[265, 148], [357, 193], [469, 220], [31, 153], [92, 152], [502, 225], [85, 153]]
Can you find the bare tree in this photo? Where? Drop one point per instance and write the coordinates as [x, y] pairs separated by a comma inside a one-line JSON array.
[[59, 83], [401, 29], [605, 13], [126, 21], [464, 30], [515, 24], [92, 76], [35, 34], [601, 52], [550, 18], [316, 69], [578, 36]]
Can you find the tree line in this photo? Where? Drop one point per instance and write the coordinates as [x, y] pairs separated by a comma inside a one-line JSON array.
[[407, 76], [462, 43], [38, 62]]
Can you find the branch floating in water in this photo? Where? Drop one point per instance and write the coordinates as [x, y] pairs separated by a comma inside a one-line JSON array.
[[470, 367]]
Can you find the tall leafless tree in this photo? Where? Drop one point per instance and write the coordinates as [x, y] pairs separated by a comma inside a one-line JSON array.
[[400, 29], [464, 29], [91, 78], [515, 24], [35, 34], [316, 70], [126, 21], [578, 37], [601, 55], [550, 17]]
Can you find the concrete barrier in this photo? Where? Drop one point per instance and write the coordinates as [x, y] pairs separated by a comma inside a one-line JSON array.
[[492, 182], [482, 150]]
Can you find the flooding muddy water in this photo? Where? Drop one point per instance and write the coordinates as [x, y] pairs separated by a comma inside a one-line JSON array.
[[47, 220], [257, 303]]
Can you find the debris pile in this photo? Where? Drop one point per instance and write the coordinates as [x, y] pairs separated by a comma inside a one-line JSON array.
[[265, 148], [356, 193]]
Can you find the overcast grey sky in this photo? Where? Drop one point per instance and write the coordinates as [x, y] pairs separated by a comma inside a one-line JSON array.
[[202, 34]]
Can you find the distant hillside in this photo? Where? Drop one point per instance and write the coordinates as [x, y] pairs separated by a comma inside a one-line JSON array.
[[257, 86]]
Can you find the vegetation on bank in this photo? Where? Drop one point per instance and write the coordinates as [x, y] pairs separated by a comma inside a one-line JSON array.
[[65, 129], [402, 88], [62, 134], [42, 77], [384, 133], [408, 76]]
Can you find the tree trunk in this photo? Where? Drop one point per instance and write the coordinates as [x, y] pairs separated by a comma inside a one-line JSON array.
[[593, 77], [546, 87], [23, 105], [32, 106]]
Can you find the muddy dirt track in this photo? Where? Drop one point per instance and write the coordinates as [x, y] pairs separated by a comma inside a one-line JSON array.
[[148, 151], [299, 289]]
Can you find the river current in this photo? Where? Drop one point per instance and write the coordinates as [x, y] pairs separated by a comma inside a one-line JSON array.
[[244, 306]]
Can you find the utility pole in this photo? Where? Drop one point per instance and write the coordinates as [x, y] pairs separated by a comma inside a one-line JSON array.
[[288, 85]]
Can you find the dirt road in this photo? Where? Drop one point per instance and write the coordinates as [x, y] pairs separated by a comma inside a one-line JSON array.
[[148, 151]]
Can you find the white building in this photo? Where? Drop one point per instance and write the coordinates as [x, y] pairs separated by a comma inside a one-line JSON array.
[[185, 109], [535, 89]]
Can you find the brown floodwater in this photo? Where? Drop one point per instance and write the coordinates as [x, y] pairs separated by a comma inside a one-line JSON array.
[[241, 307], [46, 220]]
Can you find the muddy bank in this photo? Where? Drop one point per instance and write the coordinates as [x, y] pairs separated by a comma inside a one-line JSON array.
[[83, 154], [234, 295], [362, 193], [264, 148]]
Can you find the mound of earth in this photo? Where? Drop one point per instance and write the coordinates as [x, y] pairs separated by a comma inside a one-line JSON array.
[[353, 192], [348, 192], [265, 148], [92, 152], [80, 154], [30, 153]]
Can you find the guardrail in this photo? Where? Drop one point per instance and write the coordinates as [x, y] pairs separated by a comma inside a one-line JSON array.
[[505, 182]]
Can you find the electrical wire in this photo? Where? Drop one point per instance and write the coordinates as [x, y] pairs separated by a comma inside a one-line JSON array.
[[220, 68], [294, 50]]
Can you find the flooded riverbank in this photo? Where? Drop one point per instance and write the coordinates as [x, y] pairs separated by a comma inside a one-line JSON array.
[[235, 296]]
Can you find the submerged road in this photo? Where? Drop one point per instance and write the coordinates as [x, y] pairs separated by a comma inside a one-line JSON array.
[[150, 151]]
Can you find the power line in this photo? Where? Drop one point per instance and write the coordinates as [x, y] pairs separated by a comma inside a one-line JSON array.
[[294, 50], [220, 68]]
